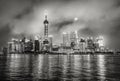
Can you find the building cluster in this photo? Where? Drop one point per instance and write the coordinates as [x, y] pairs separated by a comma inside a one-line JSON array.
[[29, 46], [71, 42], [25, 45]]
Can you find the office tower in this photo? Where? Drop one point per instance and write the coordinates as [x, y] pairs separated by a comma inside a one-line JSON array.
[[66, 39], [72, 45], [82, 45], [13, 46], [46, 46], [77, 38], [90, 44], [101, 43], [51, 41], [36, 45], [10, 47], [74, 37], [29, 46], [23, 44], [40, 44]]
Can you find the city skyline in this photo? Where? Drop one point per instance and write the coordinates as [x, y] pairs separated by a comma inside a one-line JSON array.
[[59, 40], [89, 18], [71, 43]]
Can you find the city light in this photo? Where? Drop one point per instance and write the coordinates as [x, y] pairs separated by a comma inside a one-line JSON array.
[[36, 38], [75, 19], [14, 39], [71, 41], [50, 36], [101, 41], [27, 40], [64, 33]]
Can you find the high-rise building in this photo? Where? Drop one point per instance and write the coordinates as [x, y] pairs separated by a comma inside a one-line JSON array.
[[46, 45], [11, 47], [40, 44], [14, 46], [46, 42], [66, 39], [74, 37], [36, 45], [90, 44], [51, 42], [29, 46], [46, 26], [82, 45], [101, 43]]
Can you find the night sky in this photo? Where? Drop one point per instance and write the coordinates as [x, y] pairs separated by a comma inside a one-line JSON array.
[[93, 18]]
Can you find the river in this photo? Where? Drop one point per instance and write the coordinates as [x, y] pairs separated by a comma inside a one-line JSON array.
[[30, 67]]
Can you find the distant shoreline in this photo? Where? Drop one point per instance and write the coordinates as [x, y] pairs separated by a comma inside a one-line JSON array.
[[76, 53]]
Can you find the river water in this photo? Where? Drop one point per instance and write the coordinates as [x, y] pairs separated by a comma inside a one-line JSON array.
[[26, 67]]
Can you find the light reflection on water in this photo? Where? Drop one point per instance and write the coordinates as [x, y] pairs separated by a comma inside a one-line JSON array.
[[26, 67], [101, 67]]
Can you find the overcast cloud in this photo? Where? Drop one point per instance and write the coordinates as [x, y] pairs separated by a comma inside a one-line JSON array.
[[95, 17]]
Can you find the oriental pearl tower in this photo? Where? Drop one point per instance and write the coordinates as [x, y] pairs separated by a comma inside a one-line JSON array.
[[45, 26], [46, 43]]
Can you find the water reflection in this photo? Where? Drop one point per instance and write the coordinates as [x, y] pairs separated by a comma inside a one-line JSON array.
[[26, 67], [37, 67], [18, 65], [101, 67]]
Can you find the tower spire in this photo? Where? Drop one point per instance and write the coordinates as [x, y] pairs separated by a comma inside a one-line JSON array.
[[46, 13], [45, 17]]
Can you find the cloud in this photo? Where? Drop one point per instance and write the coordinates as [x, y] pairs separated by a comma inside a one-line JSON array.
[[5, 34], [94, 17]]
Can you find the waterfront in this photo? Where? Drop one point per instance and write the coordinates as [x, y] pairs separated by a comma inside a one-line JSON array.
[[25, 67]]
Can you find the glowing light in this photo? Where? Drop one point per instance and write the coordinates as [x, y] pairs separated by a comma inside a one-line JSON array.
[[101, 66], [91, 38], [101, 41], [36, 37], [14, 39], [64, 33], [76, 32], [27, 40], [75, 19], [50, 36], [20, 40]]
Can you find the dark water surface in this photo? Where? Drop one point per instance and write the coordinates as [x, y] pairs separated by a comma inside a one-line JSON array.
[[24, 67]]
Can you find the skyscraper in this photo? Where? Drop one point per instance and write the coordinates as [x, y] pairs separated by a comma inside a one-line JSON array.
[[82, 44], [46, 26], [46, 42], [65, 39], [74, 37], [51, 41], [36, 42]]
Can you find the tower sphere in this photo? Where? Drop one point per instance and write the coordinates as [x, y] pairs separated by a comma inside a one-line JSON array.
[[46, 22]]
